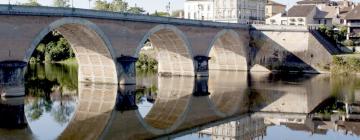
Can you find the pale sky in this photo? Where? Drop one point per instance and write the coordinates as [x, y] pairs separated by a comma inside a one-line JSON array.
[[149, 5]]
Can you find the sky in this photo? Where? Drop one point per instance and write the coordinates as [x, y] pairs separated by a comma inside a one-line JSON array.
[[149, 5]]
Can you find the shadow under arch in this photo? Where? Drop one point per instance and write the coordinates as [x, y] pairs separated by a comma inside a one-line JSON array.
[[175, 55], [228, 51], [92, 49]]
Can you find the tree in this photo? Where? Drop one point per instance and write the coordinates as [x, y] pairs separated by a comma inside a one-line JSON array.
[[136, 10], [102, 5], [118, 6], [160, 14], [61, 3], [32, 3], [115, 5]]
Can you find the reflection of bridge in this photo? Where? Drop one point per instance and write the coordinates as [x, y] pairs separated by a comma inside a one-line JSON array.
[[177, 111], [106, 43]]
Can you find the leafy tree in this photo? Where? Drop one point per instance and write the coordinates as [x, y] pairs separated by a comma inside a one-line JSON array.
[[115, 5], [161, 14], [102, 5], [61, 3], [118, 6], [136, 10], [32, 3]]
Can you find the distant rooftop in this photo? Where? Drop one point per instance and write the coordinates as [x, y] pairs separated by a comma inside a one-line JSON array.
[[300, 10], [271, 2], [313, 2], [354, 14]]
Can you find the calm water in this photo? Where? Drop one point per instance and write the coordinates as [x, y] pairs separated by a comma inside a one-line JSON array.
[[227, 105]]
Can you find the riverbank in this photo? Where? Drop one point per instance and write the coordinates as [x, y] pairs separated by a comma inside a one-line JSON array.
[[346, 64]]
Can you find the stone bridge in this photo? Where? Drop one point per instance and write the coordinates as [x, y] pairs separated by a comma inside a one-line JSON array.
[[106, 44]]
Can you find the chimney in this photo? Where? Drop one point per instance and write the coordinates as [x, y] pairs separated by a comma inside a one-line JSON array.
[[337, 10], [353, 6]]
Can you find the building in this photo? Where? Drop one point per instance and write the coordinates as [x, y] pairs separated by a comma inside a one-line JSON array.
[[234, 11], [244, 129], [297, 15], [199, 9], [240, 11], [273, 8], [308, 12], [352, 21]]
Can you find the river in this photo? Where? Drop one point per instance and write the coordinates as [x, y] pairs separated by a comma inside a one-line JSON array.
[[225, 105]]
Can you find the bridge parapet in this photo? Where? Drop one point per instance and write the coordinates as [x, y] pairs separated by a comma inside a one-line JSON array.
[[285, 28], [86, 13]]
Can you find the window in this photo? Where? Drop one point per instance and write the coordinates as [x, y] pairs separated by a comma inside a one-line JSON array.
[[292, 20], [300, 19]]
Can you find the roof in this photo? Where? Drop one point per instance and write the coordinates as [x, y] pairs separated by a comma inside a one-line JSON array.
[[354, 14], [326, 12], [300, 10], [271, 2], [313, 1]]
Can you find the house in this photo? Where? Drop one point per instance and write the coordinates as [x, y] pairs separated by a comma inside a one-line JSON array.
[[273, 8], [308, 12], [352, 21], [234, 11], [297, 15], [199, 9]]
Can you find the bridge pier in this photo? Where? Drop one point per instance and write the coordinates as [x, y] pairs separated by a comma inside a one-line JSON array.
[[127, 74], [126, 98], [12, 78], [201, 86], [202, 66]]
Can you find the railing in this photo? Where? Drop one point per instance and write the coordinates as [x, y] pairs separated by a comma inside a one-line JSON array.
[[86, 13]]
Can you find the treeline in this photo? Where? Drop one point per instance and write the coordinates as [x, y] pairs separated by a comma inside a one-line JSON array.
[[114, 6], [53, 48]]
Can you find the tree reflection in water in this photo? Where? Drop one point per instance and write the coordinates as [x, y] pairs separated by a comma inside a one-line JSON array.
[[51, 89]]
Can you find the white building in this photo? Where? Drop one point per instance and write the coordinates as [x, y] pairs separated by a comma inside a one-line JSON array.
[[240, 11], [234, 11], [199, 9]]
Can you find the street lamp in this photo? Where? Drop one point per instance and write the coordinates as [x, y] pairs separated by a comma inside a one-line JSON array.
[[89, 4], [168, 8]]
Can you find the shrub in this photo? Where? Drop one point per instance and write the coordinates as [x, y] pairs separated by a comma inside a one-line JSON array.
[[349, 43]]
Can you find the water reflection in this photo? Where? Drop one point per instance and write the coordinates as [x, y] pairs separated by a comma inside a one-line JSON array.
[[226, 105]]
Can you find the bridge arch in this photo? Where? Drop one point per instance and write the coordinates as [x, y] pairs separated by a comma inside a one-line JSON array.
[[92, 49], [228, 51], [175, 55]]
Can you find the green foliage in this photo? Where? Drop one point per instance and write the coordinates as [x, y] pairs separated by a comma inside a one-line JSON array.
[[136, 10], [335, 37], [348, 42], [160, 14], [115, 5], [146, 63], [32, 3], [345, 65], [61, 3], [54, 48]]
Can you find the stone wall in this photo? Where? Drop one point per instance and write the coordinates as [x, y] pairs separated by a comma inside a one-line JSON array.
[[285, 48]]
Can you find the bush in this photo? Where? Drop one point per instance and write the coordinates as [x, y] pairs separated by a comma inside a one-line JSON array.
[[349, 43], [146, 63]]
